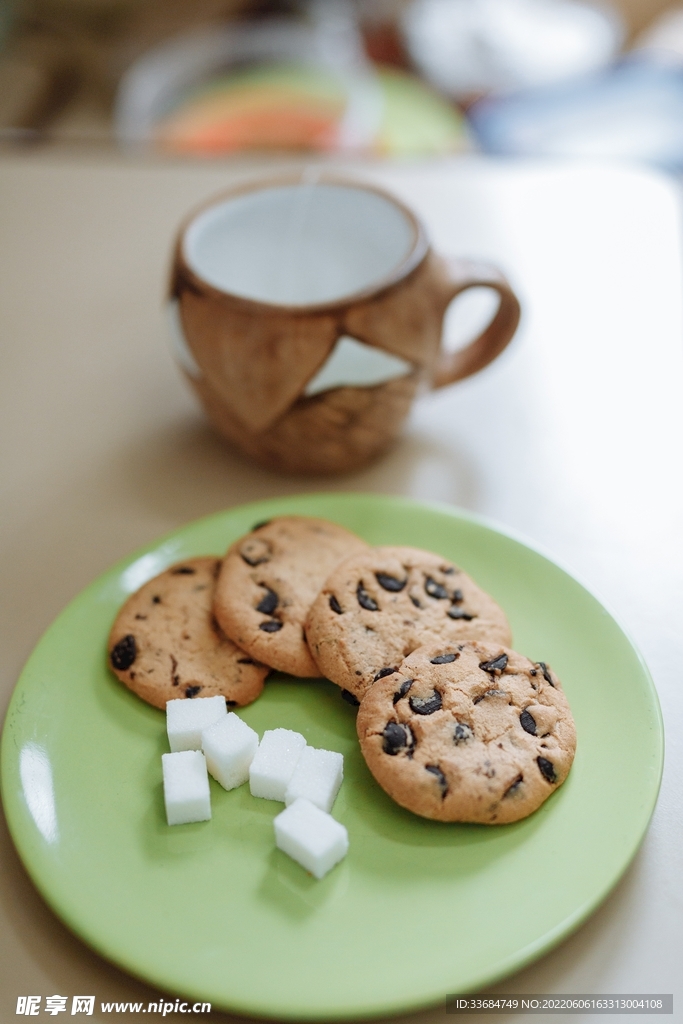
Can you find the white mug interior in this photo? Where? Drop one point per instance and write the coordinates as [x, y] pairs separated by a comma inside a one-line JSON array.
[[299, 244]]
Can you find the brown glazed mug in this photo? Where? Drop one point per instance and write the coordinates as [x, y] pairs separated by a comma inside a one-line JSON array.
[[307, 315]]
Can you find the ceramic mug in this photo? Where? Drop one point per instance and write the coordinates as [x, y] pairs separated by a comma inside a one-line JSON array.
[[306, 316]]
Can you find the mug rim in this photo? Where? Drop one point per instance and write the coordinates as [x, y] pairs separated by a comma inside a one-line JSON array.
[[405, 266]]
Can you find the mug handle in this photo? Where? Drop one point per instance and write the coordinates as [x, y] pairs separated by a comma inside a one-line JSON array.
[[459, 275]]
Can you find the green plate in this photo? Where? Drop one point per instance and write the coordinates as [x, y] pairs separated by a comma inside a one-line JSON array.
[[417, 909]]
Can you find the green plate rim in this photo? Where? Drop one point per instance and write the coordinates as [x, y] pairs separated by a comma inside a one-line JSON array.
[[290, 504]]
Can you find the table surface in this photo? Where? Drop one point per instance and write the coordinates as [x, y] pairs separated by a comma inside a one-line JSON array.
[[572, 438]]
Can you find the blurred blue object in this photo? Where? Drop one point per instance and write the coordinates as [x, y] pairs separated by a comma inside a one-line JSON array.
[[632, 111]]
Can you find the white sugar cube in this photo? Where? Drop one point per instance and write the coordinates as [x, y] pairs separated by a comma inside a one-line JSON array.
[[317, 777], [186, 718], [274, 763], [311, 837], [229, 746], [186, 787]]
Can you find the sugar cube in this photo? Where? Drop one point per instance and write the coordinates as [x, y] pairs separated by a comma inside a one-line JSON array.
[[229, 746], [185, 719], [317, 777], [274, 763], [186, 787], [311, 837]]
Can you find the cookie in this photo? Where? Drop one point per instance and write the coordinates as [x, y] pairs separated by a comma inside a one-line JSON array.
[[267, 584], [468, 732], [165, 642], [383, 603]]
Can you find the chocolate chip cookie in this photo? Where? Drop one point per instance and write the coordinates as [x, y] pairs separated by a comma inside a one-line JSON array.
[[468, 732], [267, 584], [383, 603], [166, 643]]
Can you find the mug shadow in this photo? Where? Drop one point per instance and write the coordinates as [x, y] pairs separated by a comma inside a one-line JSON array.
[[185, 470]]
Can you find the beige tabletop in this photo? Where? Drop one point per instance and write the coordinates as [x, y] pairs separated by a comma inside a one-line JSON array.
[[572, 438]]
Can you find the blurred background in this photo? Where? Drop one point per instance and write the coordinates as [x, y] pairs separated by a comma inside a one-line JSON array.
[[210, 79]]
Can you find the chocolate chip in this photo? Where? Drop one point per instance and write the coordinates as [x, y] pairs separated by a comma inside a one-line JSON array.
[[514, 786], [397, 737], [350, 698], [528, 722], [403, 689], [231, 703], [255, 552], [414, 600], [334, 605], [183, 570], [156, 599], [252, 561], [192, 691], [547, 769], [457, 596], [498, 664], [270, 626], [490, 693], [260, 525], [138, 616], [546, 673], [388, 582], [426, 705], [532, 672], [462, 733], [124, 653], [364, 599], [441, 778], [435, 589], [384, 672], [448, 569], [268, 602], [246, 661], [444, 659], [458, 613]]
